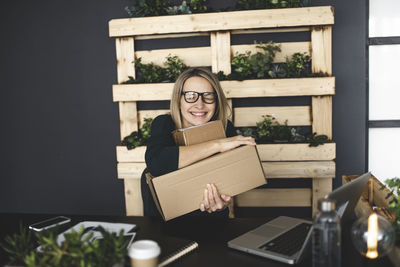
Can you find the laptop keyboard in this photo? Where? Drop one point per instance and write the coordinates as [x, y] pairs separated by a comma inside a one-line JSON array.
[[289, 242]]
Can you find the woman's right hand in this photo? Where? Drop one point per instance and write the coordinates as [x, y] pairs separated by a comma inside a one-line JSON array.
[[233, 142]]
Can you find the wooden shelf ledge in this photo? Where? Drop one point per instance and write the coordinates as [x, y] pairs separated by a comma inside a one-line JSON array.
[[233, 89], [222, 21]]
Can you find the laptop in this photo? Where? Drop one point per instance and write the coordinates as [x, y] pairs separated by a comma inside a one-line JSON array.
[[286, 239]]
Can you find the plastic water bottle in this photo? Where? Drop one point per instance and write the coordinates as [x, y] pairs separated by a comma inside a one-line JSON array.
[[326, 235]]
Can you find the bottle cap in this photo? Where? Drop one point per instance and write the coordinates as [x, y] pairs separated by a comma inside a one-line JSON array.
[[326, 204]]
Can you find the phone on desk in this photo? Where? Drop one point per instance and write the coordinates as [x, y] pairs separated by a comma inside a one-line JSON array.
[[49, 223]]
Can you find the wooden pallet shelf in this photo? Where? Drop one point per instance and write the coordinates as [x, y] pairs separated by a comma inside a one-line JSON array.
[[233, 89], [279, 160]]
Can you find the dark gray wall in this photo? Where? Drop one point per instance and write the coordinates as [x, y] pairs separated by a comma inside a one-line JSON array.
[[59, 126]]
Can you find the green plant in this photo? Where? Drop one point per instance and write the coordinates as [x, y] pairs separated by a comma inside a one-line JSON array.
[[151, 73], [261, 4], [198, 6], [18, 245], [261, 62], [394, 205], [144, 8], [299, 65], [269, 129], [277, 71], [175, 67], [316, 140], [138, 138], [241, 65], [181, 9]]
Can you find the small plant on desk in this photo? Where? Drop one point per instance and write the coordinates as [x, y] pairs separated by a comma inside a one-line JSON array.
[[394, 205], [78, 249]]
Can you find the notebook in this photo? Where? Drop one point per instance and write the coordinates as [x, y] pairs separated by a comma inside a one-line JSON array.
[[286, 239]]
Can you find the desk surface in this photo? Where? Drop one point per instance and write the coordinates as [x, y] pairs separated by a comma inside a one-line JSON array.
[[212, 234]]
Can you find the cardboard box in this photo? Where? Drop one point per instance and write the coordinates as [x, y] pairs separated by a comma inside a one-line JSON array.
[[198, 134], [233, 172]]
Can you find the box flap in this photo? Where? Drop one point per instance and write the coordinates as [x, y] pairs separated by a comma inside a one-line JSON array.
[[149, 182]]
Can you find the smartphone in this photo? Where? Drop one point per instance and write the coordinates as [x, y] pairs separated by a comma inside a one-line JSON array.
[[49, 223]]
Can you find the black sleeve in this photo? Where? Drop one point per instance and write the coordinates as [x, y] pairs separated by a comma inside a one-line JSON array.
[[230, 130], [162, 155]]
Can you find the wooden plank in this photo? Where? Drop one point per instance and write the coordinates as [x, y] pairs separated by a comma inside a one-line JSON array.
[[279, 87], [299, 197], [142, 114], [322, 115], [220, 52], [230, 104], [320, 187], [130, 170], [232, 89], [133, 198], [293, 115], [125, 58], [321, 40], [278, 30], [127, 118], [176, 35], [133, 155], [288, 49], [307, 169], [235, 20], [193, 56], [142, 92], [296, 152]]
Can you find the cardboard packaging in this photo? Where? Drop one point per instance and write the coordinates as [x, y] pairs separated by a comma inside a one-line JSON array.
[[233, 172], [198, 134]]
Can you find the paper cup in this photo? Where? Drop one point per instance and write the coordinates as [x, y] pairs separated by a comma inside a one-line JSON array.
[[144, 253]]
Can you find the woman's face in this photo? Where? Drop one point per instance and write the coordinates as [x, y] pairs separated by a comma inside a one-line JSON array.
[[198, 112]]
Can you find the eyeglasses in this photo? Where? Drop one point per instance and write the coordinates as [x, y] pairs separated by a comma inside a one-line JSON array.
[[192, 97]]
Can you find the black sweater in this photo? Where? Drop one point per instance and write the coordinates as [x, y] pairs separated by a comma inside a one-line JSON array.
[[162, 156]]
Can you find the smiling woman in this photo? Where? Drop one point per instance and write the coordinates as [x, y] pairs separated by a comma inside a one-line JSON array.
[[197, 98]]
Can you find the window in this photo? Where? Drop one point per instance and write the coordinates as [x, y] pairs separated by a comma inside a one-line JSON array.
[[384, 89]]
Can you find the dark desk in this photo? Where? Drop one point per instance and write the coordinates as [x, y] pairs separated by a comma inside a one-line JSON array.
[[212, 235]]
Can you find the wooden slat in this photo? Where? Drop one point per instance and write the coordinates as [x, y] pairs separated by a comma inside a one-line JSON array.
[[308, 169], [176, 35], [279, 87], [322, 115], [288, 49], [296, 152], [125, 58], [294, 115], [267, 152], [321, 39], [220, 52], [142, 114], [193, 57], [320, 187], [235, 20], [142, 92], [127, 118], [195, 34], [133, 155], [130, 170], [285, 197], [202, 56], [133, 198], [232, 89], [251, 31]]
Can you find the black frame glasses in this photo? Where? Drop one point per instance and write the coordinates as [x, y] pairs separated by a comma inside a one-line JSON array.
[[197, 94]]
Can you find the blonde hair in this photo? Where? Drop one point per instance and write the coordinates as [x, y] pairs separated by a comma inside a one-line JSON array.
[[222, 109]]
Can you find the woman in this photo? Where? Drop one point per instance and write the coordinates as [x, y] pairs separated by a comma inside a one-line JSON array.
[[197, 98]]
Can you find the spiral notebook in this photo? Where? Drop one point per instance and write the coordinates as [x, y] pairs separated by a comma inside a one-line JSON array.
[[173, 248]]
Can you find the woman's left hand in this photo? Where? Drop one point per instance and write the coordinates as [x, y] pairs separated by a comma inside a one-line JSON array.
[[213, 201]]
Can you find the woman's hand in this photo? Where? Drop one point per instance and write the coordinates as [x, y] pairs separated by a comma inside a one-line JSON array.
[[233, 142], [212, 201]]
